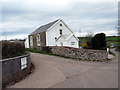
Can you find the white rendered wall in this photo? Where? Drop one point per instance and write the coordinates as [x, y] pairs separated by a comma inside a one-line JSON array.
[[54, 32], [73, 39], [26, 43]]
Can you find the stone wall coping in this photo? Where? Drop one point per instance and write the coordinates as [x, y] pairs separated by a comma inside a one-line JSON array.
[[7, 59], [79, 48]]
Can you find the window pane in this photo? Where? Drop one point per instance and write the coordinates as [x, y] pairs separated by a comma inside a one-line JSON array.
[[31, 40], [38, 39], [72, 43], [60, 31], [60, 24]]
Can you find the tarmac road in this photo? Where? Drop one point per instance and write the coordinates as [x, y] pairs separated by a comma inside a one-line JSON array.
[[57, 72]]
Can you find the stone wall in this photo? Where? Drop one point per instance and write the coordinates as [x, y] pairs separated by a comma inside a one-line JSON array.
[[42, 40], [81, 54], [11, 69]]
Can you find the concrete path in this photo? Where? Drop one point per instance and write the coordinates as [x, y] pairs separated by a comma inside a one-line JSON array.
[[57, 72]]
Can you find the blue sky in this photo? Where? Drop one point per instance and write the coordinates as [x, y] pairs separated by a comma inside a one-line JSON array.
[[20, 18]]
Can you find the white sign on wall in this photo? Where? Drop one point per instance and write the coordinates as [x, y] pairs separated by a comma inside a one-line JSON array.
[[23, 62]]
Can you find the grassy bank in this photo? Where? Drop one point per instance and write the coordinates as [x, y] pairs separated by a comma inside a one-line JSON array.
[[112, 38], [41, 52]]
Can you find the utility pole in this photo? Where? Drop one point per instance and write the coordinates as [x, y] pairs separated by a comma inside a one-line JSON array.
[[79, 32], [79, 36], [6, 38]]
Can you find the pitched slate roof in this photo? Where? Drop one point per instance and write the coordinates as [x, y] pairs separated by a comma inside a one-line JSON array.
[[44, 27]]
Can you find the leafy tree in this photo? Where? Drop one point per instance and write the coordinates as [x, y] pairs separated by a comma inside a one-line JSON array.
[[86, 39], [99, 41]]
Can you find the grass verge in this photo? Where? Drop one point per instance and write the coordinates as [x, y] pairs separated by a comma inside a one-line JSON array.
[[42, 52]]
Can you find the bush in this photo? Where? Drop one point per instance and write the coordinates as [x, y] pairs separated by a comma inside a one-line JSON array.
[[84, 45], [99, 41], [12, 49]]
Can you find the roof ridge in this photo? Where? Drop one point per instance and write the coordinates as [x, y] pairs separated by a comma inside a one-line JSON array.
[[49, 22], [44, 27]]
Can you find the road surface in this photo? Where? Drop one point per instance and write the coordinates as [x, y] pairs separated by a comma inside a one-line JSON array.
[[57, 72]]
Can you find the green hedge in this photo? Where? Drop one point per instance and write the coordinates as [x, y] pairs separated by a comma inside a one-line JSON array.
[[12, 49]]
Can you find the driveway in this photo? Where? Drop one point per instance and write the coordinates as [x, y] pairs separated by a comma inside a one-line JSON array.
[[57, 72]]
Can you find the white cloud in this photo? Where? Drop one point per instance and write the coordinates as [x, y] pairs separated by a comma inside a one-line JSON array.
[[17, 36], [108, 33], [10, 27], [77, 34], [22, 15], [60, 1]]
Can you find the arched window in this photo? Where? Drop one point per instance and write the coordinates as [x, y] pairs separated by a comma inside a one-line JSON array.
[[31, 40], [38, 39]]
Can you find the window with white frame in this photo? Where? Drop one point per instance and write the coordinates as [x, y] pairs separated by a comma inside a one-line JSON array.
[[38, 39], [72, 43], [31, 40]]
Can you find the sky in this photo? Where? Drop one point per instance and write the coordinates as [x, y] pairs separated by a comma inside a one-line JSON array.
[[19, 18]]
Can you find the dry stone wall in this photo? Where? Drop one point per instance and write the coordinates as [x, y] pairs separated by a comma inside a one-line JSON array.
[[81, 54]]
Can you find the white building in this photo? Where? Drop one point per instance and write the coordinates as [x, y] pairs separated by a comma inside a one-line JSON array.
[[56, 33], [27, 43]]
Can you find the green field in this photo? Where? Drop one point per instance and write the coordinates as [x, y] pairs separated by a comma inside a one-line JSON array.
[[112, 38], [109, 39]]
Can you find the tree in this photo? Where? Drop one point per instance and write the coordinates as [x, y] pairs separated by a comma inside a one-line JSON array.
[[88, 38], [99, 41]]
